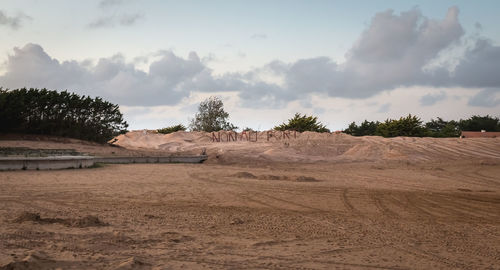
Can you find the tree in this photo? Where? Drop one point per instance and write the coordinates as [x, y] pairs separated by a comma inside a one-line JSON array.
[[478, 123], [167, 130], [410, 126], [41, 111], [303, 123], [211, 116], [366, 128], [442, 128]]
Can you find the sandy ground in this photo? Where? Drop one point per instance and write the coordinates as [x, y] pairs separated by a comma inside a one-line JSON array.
[[418, 211]]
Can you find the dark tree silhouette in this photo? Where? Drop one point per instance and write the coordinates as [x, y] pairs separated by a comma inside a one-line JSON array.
[[478, 123], [41, 111]]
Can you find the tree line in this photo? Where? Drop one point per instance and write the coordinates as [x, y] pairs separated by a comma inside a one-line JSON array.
[[412, 126], [47, 112], [211, 116], [42, 111]]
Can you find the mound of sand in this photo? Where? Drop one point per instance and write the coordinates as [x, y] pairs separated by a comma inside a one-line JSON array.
[[310, 146]]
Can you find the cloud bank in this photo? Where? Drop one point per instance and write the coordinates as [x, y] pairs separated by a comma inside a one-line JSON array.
[[393, 51]]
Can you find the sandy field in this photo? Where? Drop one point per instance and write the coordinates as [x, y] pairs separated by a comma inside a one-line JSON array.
[[317, 201]]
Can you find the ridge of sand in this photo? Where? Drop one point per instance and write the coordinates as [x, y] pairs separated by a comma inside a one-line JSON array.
[[312, 146], [303, 147]]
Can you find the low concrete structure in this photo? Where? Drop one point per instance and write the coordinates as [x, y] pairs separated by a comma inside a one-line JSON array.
[[169, 159], [45, 163], [75, 162]]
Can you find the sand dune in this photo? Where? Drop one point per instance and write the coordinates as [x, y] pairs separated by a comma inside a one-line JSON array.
[[311, 147]]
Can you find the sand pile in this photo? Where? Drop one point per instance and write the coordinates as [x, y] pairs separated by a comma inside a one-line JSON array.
[[309, 146]]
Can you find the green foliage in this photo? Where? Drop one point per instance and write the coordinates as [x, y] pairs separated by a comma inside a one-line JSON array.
[[211, 116], [410, 126], [366, 128], [303, 123], [167, 130], [442, 128], [478, 123], [59, 113]]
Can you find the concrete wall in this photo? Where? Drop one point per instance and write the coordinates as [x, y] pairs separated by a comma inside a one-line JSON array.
[[67, 162], [45, 163], [170, 159]]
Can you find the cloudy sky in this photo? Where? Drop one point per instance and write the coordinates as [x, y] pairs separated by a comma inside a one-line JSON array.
[[343, 61]]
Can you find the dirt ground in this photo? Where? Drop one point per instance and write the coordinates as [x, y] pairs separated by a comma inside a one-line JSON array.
[[279, 215], [318, 202]]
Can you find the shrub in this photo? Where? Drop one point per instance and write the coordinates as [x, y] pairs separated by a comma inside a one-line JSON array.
[[171, 129], [302, 123], [366, 128], [442, 128], [410, 126]]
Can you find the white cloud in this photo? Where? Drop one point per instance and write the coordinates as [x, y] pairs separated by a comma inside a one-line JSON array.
[[112, 78]]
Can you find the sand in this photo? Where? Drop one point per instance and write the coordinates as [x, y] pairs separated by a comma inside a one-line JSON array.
[[314, 147], [318, 202]]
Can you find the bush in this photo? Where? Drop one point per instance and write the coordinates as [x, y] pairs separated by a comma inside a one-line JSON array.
[[171, 129], [303, 123], [410, 126], [441, 128], [366, 128], [60, 114], [211, 116]]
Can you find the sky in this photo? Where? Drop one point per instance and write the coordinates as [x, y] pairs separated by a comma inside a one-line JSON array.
[[342, 61]]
